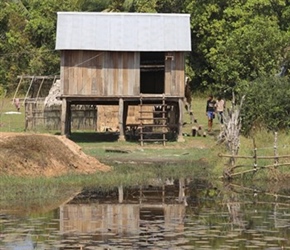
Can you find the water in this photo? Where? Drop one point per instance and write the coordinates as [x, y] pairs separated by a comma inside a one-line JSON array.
[[183, 214]]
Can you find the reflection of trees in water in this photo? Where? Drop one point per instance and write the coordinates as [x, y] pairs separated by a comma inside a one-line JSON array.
[[238, 208], [231, 199], [271, 198]]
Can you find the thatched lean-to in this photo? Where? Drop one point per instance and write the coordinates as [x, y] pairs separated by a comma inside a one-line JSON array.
[[54, 93]]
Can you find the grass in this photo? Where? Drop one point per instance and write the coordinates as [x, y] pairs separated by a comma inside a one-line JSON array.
[[266, 146], [28, 195], [10, 122], [196, 157], [192, 150], [34, 195]]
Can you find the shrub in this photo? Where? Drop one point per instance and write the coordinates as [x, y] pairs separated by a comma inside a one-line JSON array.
[[267, 105]]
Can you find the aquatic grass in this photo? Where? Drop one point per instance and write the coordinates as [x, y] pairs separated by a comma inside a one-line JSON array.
[[40, 191], [27, 192]]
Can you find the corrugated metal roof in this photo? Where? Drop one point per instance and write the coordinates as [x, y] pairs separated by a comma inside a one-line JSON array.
[[109, 31]]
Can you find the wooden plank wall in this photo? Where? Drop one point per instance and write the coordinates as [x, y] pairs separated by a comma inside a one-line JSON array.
[[174, 74], [111, 74], [100, 73], [38, 117]]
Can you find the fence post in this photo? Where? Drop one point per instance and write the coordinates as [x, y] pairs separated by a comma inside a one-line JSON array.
[[276, 159]]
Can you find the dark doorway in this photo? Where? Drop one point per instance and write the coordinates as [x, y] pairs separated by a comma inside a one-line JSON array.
[[152, 71]]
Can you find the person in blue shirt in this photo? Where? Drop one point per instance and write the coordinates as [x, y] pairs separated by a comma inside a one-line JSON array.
[[210, 111]]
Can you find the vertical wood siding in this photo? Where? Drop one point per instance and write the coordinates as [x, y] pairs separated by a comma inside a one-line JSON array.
[[97, 73], [174, 74], [180, 73]]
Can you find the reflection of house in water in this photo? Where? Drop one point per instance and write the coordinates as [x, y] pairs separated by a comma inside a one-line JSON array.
[[142, 211]]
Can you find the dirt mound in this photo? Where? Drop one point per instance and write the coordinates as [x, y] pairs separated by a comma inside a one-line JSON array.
[[43, 155]]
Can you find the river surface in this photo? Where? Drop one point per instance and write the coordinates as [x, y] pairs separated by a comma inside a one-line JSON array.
[[179, 214]]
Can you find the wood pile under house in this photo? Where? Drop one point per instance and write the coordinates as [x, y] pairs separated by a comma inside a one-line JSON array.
[[125, 60]]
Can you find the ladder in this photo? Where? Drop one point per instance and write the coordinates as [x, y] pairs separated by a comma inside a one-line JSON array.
[[157, 126]]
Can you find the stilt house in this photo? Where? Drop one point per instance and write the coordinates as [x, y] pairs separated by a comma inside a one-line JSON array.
[[125, 59]]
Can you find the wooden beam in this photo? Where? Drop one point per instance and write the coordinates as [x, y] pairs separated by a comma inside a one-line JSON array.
[[68, 119], [38, 77], [17, 89], [180, 120], [253, 157], [64, 117], [121, 120], [39, 88], [27, 92], [260, 168]]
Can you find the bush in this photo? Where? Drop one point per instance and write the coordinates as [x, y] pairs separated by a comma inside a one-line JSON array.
[[267, 105]]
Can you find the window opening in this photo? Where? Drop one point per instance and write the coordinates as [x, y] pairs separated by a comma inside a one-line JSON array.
[[152, 72]]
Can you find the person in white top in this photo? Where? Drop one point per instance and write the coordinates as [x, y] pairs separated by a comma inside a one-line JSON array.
[[220, 107]]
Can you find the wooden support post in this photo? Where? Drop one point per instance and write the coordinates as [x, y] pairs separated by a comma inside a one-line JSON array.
[[20, 81], [276, 160], [180, 120], [181, 194], [27, 92], [121, 194], [141, 122], [64, 117], [33, 110], [255, 157], [121, 120], [164, 122], [39, 89], [28, 115], [125, 115], [69, 119], [140, 194], [163, 194]]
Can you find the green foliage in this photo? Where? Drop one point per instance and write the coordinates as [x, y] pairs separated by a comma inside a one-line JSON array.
[[28, 40], [234, 41], [93, 5], [148, 6], [267, 105]]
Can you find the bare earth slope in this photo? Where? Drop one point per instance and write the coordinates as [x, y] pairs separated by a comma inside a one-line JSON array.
[[25, 154]]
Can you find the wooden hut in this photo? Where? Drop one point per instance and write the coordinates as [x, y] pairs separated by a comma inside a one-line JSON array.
[[125, 59]]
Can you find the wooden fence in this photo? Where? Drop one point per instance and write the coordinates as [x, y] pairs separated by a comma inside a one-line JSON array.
[[37, 117], [229, 171]]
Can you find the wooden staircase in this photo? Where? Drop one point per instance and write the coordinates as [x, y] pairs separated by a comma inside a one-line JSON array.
[[153, 123]]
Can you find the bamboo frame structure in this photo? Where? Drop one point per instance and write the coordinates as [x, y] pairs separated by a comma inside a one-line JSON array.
[[229, 173], [32, 79]]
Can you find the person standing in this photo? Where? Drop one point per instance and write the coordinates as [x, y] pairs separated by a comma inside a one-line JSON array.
[[17, 104], [220, 107], [210, 111]]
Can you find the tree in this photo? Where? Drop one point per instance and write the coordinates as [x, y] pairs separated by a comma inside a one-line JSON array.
[[266, 105], [28, 38], [235, 41], [15, 45], [147, 6]]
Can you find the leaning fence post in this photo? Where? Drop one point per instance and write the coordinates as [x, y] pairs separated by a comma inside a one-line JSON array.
[[256, 162], [276, 159], [255, 155]]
